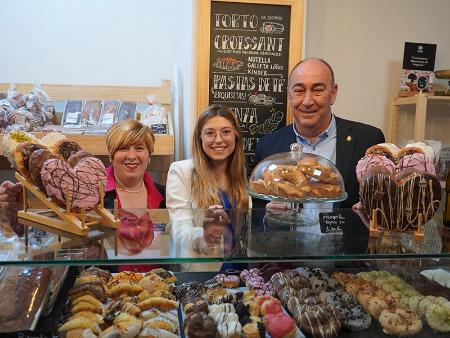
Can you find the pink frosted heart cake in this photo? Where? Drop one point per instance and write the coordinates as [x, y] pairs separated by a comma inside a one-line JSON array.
[[80, 182], [417, 156], [135, 233]]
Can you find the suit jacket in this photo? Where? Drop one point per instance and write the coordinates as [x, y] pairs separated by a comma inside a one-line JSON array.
[[353, 139]]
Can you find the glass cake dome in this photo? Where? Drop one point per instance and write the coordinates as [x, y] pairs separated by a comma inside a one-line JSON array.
[[297, 177]]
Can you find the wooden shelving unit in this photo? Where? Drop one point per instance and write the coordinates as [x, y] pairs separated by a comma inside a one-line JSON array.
[[421, 101], [164, 144]]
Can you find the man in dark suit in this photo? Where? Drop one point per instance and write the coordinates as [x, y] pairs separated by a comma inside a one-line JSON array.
[[312, 91]]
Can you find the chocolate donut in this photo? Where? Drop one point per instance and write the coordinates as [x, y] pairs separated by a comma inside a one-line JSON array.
[[77, 157], [200, 325], [22, 156], [37, 160], [65, 148], [320, 321]]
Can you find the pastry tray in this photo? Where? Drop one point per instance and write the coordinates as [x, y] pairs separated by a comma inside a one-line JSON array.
[[374, 331]]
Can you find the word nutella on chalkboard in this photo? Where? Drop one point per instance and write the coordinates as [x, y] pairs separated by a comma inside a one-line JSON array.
[[331, 222], [248, 69]]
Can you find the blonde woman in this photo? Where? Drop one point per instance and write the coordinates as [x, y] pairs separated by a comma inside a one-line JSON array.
[[130, 145]]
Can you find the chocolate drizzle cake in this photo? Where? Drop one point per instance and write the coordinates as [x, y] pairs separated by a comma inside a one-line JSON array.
[[398, 200]]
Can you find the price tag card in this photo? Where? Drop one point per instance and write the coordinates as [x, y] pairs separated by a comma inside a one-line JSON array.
[[72, 118], [107, 119], [332, 222], [159, 128]]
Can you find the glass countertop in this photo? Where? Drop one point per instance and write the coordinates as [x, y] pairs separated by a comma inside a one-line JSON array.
[[198, 236]]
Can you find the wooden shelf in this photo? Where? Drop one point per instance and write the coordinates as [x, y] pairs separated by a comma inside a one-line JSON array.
[[95, 144], [421, 101]]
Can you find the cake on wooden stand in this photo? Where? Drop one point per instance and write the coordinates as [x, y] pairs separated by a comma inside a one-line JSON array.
[[399, 190]]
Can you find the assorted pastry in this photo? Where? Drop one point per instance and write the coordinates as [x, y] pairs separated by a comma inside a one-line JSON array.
[[126, 304], [322, 305], [19, 111], [308, 179], [58, 167]]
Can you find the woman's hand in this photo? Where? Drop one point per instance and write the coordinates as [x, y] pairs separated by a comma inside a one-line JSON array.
[[11, 196], [214, 225]]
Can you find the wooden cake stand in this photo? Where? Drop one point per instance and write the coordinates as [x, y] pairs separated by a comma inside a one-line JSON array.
[[64, 221], [374, 227]]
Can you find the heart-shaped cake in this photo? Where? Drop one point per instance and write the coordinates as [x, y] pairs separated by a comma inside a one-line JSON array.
[[418, 156], [399, 199], [80, 182], [135, 233]]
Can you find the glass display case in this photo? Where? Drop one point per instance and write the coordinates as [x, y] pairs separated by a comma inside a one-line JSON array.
[[199, 244]]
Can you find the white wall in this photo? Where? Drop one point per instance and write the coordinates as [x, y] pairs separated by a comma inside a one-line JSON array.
[[137, 42], [364, 41], [104, 42]]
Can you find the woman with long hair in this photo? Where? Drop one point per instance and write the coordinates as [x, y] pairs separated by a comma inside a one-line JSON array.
[[216, 175], [215, 180]]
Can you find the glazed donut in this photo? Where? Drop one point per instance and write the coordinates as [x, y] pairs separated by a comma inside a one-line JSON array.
[[400, 322], [22, 157], [65, 148]]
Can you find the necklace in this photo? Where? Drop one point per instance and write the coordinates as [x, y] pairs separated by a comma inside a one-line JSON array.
[[120, 187]]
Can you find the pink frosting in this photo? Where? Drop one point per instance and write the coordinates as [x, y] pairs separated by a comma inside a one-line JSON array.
[[373, 160], [279, 325], [266, 289], [81, 182], [254, 282], [250, 273], [417, 161]]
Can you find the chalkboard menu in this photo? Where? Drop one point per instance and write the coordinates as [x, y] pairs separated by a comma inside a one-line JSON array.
[[248, 70]]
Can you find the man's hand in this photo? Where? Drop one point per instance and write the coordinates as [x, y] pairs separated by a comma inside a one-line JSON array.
[[11, 196], [358, 209], [277, 207]]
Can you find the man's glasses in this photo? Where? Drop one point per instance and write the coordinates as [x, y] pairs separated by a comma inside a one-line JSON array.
[[225, 134]]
